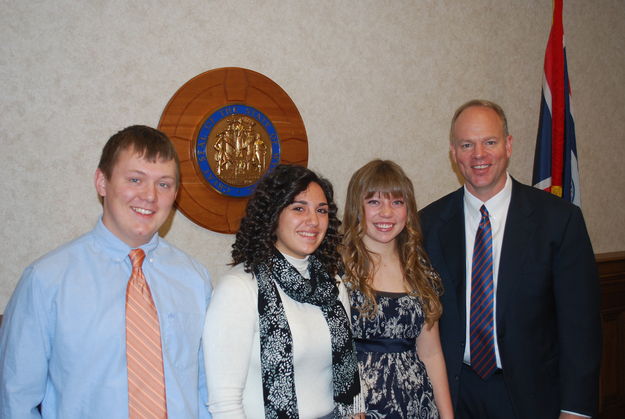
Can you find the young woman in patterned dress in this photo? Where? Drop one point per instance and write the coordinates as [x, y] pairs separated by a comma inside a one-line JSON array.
[[394, 297]]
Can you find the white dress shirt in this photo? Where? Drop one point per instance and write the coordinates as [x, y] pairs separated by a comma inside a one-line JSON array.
[[497, 208]]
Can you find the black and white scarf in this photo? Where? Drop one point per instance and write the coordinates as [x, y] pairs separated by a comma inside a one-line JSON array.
[[276, 342]]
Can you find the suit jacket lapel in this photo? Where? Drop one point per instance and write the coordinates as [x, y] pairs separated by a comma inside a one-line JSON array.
[[453, 246], [516, 241]]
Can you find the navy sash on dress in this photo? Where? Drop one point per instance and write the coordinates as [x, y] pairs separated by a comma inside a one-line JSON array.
[[385, 345]]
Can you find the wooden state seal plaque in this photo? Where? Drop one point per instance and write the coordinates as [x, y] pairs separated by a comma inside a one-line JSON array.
[[230, 126]]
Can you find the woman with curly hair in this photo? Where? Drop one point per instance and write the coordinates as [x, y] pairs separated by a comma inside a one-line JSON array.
[[394, 293], [277, 337]]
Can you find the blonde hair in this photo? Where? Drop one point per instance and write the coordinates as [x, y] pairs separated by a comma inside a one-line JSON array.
[[388, 178]]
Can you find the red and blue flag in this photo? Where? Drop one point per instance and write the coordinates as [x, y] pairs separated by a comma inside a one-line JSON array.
[[555, 159]]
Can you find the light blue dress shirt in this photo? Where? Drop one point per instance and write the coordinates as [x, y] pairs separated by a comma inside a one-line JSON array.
[[63, 337]]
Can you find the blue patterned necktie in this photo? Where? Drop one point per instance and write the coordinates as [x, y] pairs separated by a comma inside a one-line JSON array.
[[481, 333]]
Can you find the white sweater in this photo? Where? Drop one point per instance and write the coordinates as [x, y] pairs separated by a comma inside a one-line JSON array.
[[232, 349]]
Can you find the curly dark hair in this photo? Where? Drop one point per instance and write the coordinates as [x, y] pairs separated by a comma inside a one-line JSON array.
[[254, 243]]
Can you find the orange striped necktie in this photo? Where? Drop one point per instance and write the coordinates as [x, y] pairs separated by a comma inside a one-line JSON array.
[[146, 379]]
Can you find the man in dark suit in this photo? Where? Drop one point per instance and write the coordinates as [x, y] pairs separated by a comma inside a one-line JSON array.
[[520, 328]]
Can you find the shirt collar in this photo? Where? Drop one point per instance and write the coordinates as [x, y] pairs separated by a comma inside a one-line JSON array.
[[496, 205], [118, 249]]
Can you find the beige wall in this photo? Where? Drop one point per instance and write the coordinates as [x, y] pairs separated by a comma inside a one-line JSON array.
[[370, 78]]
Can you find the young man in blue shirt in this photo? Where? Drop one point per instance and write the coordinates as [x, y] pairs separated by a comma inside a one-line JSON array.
[[63, 351]]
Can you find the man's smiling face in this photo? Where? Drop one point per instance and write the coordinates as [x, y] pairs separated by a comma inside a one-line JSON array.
[[138, 197], [481, 150]]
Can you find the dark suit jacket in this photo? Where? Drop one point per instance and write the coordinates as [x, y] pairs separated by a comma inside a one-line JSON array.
[[548, 324]]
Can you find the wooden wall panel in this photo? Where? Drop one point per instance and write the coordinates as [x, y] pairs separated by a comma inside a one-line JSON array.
[[611, 268]]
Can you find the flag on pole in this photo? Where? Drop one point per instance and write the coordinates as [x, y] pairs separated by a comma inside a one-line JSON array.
[[555, 159]]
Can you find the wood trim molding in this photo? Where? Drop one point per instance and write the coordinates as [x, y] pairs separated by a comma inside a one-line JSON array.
[[611, 267]]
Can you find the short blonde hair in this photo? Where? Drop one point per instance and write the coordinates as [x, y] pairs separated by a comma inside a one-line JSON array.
[[482, 104]]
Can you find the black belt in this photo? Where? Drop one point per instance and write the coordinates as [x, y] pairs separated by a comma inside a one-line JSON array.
[[385, 345]]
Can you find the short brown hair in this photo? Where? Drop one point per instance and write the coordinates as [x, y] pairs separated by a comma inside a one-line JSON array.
[[483, 104], [148, 142]]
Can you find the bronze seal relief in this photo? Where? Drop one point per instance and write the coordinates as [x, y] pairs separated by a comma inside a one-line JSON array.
[[230, 126], [236, 145]]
